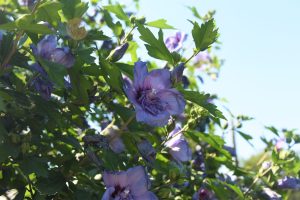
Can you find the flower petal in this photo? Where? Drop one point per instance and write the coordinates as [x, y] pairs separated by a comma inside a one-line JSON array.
[[146, 196], [107, 194], [181, 151], [173, 100], [140, 73], [112, 179], [63, 56], [152, 120], [46, 46], [137, 180], [129, 90], [158, 79]]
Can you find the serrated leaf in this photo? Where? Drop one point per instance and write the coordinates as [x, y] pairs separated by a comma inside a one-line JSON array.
[[36, 28], [48, 11], [201, 99], [112, 75], [96, 35], [205, 35], [160, 23], [195, 11], [156, 47], [272, 129], [118, 11], [55, 71], [73, 8]]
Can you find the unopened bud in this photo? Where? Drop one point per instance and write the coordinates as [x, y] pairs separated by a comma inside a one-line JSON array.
[[75, 29], [118, 52]]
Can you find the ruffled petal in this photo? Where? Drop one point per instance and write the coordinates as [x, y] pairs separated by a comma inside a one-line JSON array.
[[158, 79], [172, 100], [46, 46], [112, 179], [152, 120], [107, 194], [129, 90], [63, 56], [146, 196], [181, 151], [140, 73], [137, 180]]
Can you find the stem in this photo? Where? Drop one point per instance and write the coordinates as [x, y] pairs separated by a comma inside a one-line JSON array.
[[127, 35], [190, 58], [234, 143], [15, 43], [180, 131]]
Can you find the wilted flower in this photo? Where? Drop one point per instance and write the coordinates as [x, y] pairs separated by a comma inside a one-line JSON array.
[[42, 86], [118, 52], [204, 194], [174, 43], [147, 151], [115, 142], [271, 195], [178, 146], [76, 29], [47, 49], [152, 96], [130, 184], [288, 183]]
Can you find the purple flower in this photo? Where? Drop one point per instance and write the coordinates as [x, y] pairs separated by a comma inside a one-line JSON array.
[[185, 82], [288, 183], [203, 57], [1, 37], [44, 87], [174, 43], [130, 184], [266, 165], [280, 144], [118, 52], [152, 96], [178, 146], [107, 45], [204, 194], [147, 151], [47, 49]]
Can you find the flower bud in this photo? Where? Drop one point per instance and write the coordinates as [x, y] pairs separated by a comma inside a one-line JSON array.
[[118, 52], [141, 20], [43, 87], [75, 29], [185, 82], [147, 151], [177, 72]]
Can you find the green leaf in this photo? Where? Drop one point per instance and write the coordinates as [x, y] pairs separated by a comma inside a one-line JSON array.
[[205, 35], [34, 165], [195, 12], [8, 26], [246, 137], [48, 11], [55, 71], [51, 185], [201, 99], [7, 150], [96, 35], [272, 129], [36, 28], [73, 8], [133, 46], [118, 11], [112, 75], [126, 68], [160, 23], [156, 47]]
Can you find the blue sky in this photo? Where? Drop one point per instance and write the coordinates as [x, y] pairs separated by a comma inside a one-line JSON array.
[[260, 47]]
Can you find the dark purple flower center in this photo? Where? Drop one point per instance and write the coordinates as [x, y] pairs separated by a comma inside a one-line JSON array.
[[149, 101], [122, 193]]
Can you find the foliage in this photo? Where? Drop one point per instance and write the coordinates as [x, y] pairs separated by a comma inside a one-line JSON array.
[[67, 119]]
